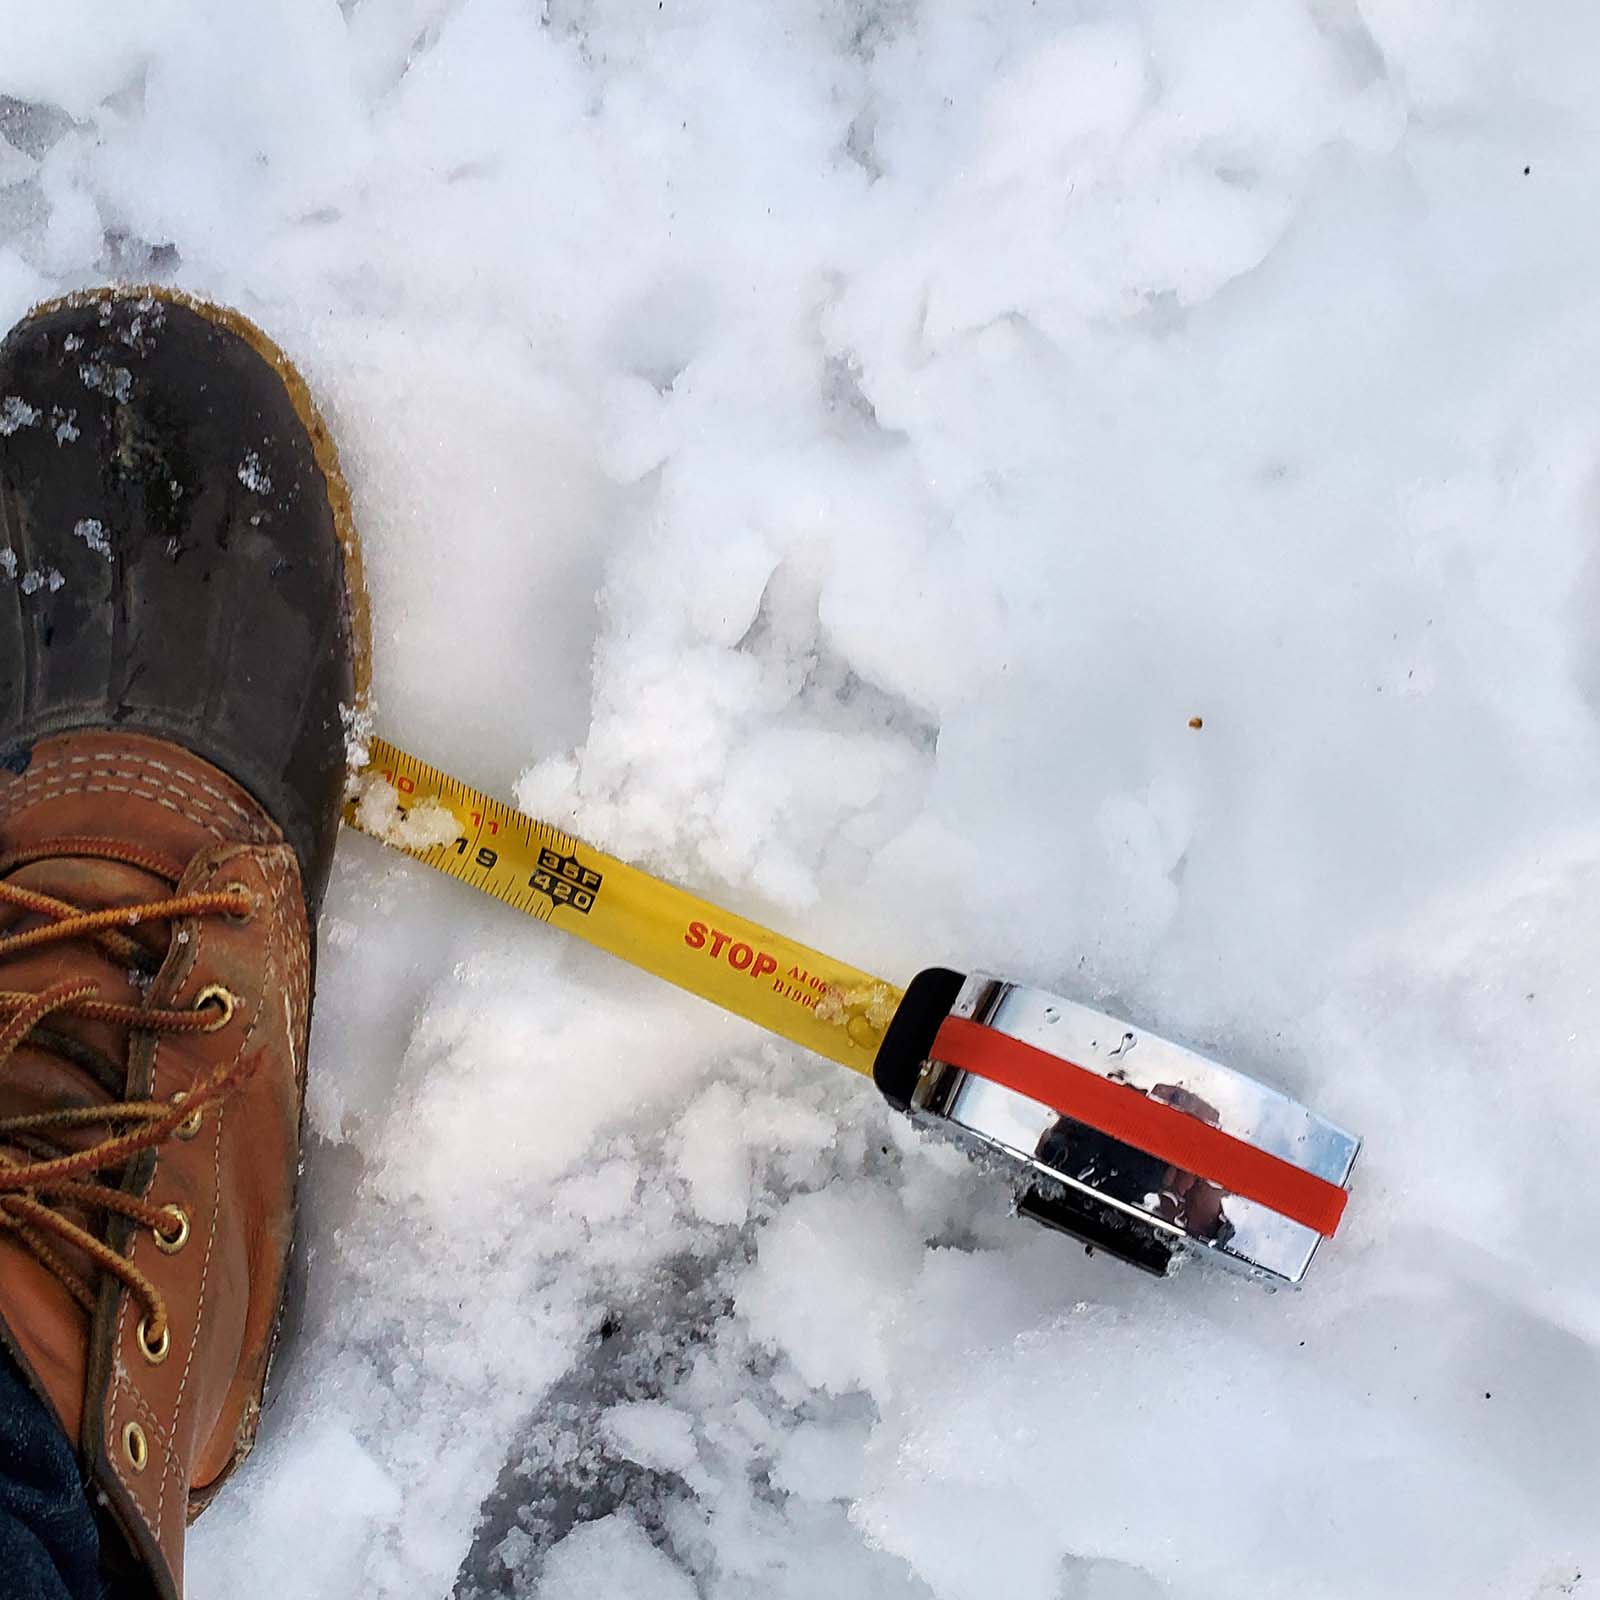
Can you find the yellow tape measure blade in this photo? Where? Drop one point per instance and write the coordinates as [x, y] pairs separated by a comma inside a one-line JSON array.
[[784, 986]]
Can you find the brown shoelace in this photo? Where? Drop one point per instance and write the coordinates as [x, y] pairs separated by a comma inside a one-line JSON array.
[[58, 1175]]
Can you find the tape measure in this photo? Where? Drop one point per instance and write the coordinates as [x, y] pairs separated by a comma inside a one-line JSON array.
[[1123, 1139], [782, 986]]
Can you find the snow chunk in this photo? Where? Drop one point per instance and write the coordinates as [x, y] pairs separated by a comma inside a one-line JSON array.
[[825, 1283], [93, 534], [418, 827], [16, 413], [822, 1463], [612, 1556], [39, 578], [652, 1433], [358, 730], [720, 1133], [115, 383], [253, 475]]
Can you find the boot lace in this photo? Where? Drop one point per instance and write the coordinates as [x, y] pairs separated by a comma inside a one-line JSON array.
[[39, 1173]]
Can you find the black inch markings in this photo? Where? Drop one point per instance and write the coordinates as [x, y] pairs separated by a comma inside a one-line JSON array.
[[558, 875], [530, 865]]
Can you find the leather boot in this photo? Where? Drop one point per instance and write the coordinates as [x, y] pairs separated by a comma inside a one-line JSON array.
[[182, 643]]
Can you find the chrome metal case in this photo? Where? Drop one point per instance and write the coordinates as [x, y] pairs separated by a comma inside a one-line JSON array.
[[1110, 1194]]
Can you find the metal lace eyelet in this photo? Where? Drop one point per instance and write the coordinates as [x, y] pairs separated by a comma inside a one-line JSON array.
[[223, 998], [190, 1125], [158, 1352], [171, 1243], [241, 917], [135, 1446]]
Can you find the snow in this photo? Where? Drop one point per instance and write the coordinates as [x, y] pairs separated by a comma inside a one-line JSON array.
[[37, 579], [612, 1555], [651, 1433], [830, 453], [253, 475], [93, 534], [415, 828], [115, 383], [34, 578], [15, 414]]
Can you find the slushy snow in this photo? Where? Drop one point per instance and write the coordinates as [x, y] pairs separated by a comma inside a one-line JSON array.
[[831, 453]]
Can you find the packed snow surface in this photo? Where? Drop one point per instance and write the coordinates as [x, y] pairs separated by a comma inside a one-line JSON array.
[[831, 453]]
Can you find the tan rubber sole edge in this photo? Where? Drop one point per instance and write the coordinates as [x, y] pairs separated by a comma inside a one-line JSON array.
[[326, 452]]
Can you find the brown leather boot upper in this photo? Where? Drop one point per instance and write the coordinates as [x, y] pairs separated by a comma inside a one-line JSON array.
[[159, 1375]]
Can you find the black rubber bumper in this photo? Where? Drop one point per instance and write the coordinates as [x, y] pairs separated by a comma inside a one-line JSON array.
[[911, 1033]]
